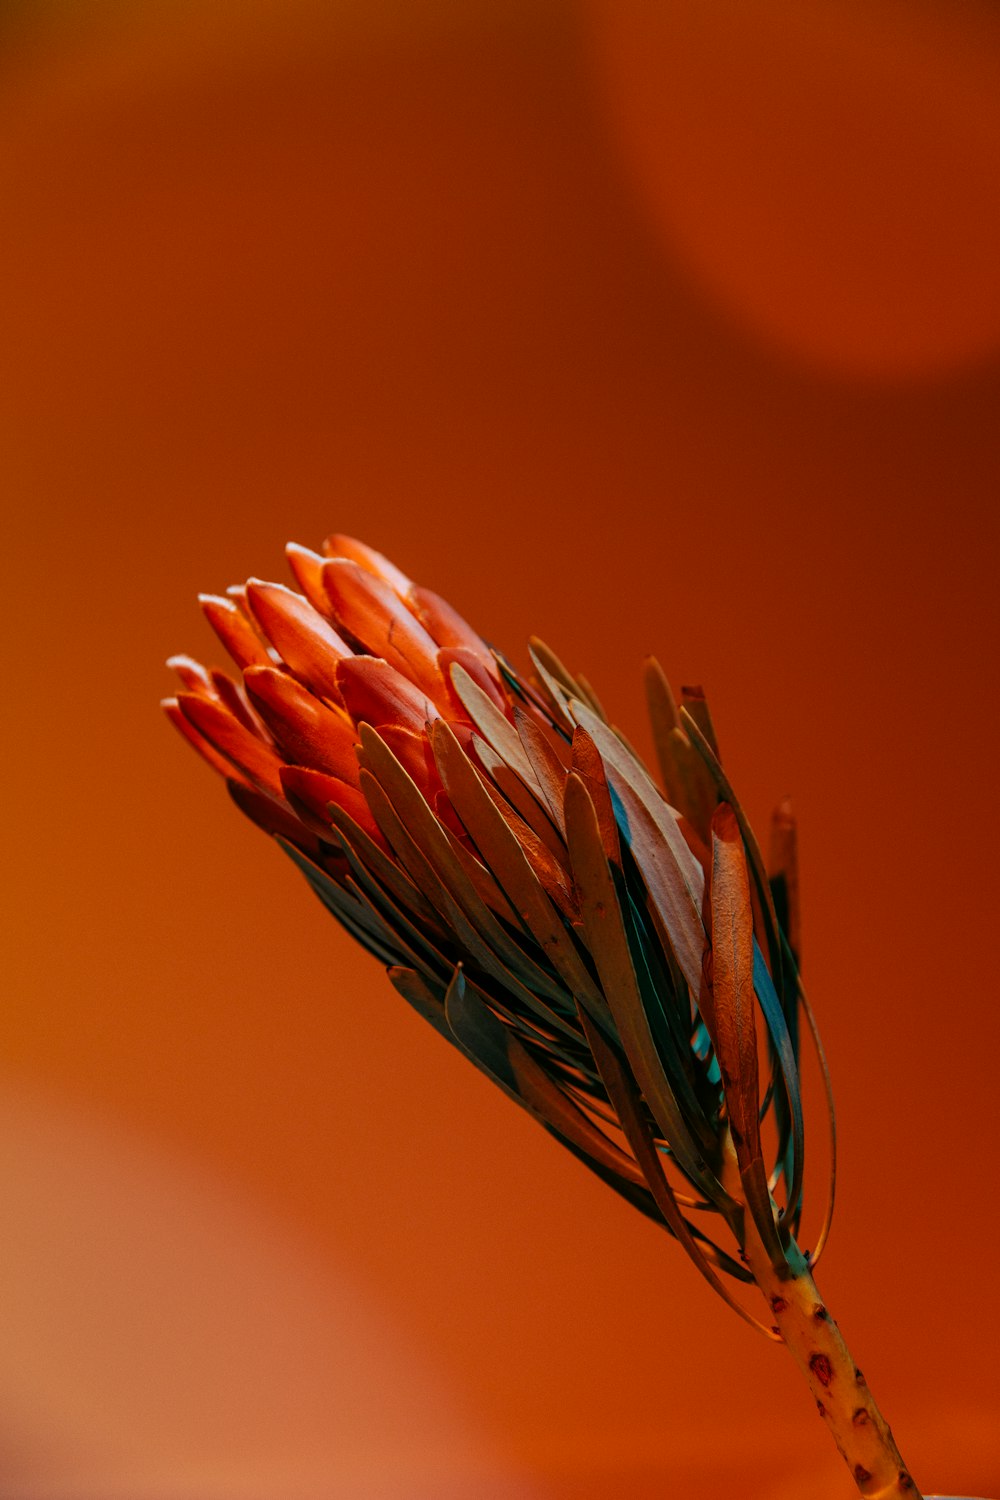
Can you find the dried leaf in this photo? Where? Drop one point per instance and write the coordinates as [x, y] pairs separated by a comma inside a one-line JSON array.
[[495, 728], [348, 911], [694, 701], [495, 1048], [783, 874], [732, 1019], [765, 905], [422, 846], [506, 858], [523, 802], [550, 772], [622, 1093], [609, 945]]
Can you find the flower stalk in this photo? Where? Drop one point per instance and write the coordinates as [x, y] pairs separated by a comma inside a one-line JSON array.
[[614, 954]]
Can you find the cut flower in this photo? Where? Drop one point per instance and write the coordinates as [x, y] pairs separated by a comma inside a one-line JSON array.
[[614, 955]]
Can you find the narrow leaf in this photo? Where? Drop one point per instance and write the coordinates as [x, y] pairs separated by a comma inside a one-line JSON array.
[[622, 1092], [772, 941], [544, 761], [732, 1019], [505, 856], [494, 727], [609, 945], [496, 1050]]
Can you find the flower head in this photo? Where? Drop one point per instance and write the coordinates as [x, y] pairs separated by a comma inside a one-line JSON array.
[[613, 955]]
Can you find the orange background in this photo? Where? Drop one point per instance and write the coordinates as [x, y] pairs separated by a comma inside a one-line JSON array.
[[670, 328]]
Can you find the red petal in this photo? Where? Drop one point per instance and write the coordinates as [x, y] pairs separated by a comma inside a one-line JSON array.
[[192, 674], [414, 753], [236, 633], [370, 610], [274, 817], [308, 732], [232, 695], [218, 762], [366, 557], [257, 761], [310, 793], [375, 693], [308, 570], [303, 639], [444, 623], [484, 676]]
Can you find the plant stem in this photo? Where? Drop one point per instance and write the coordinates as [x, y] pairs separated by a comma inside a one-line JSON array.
[[839, 1389]]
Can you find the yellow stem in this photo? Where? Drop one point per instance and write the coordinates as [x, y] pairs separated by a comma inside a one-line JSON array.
[[839, 1389]]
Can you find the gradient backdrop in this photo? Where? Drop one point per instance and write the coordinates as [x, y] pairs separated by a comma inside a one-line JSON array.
[[668, 327]]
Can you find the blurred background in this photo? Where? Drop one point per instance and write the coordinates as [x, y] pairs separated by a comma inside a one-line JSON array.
[[646, 327]]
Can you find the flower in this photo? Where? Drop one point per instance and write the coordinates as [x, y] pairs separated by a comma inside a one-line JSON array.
[[614, 956], [605, 951]]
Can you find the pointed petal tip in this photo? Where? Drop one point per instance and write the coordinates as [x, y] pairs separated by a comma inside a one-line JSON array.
[[191, 673]]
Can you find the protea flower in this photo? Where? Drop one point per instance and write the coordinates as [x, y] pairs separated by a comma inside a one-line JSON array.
[[615, 956]]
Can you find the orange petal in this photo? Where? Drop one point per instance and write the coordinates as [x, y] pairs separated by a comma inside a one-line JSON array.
[[258, 762], [232, 695], [274, 817], [184, 726], [308, 732], [192, 674], [485, 676], [303, 639], [307, 567], [444, 623], [372, 612], [414, 754], [310, 793], [234, 631], [366, 557], [375, 693]]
